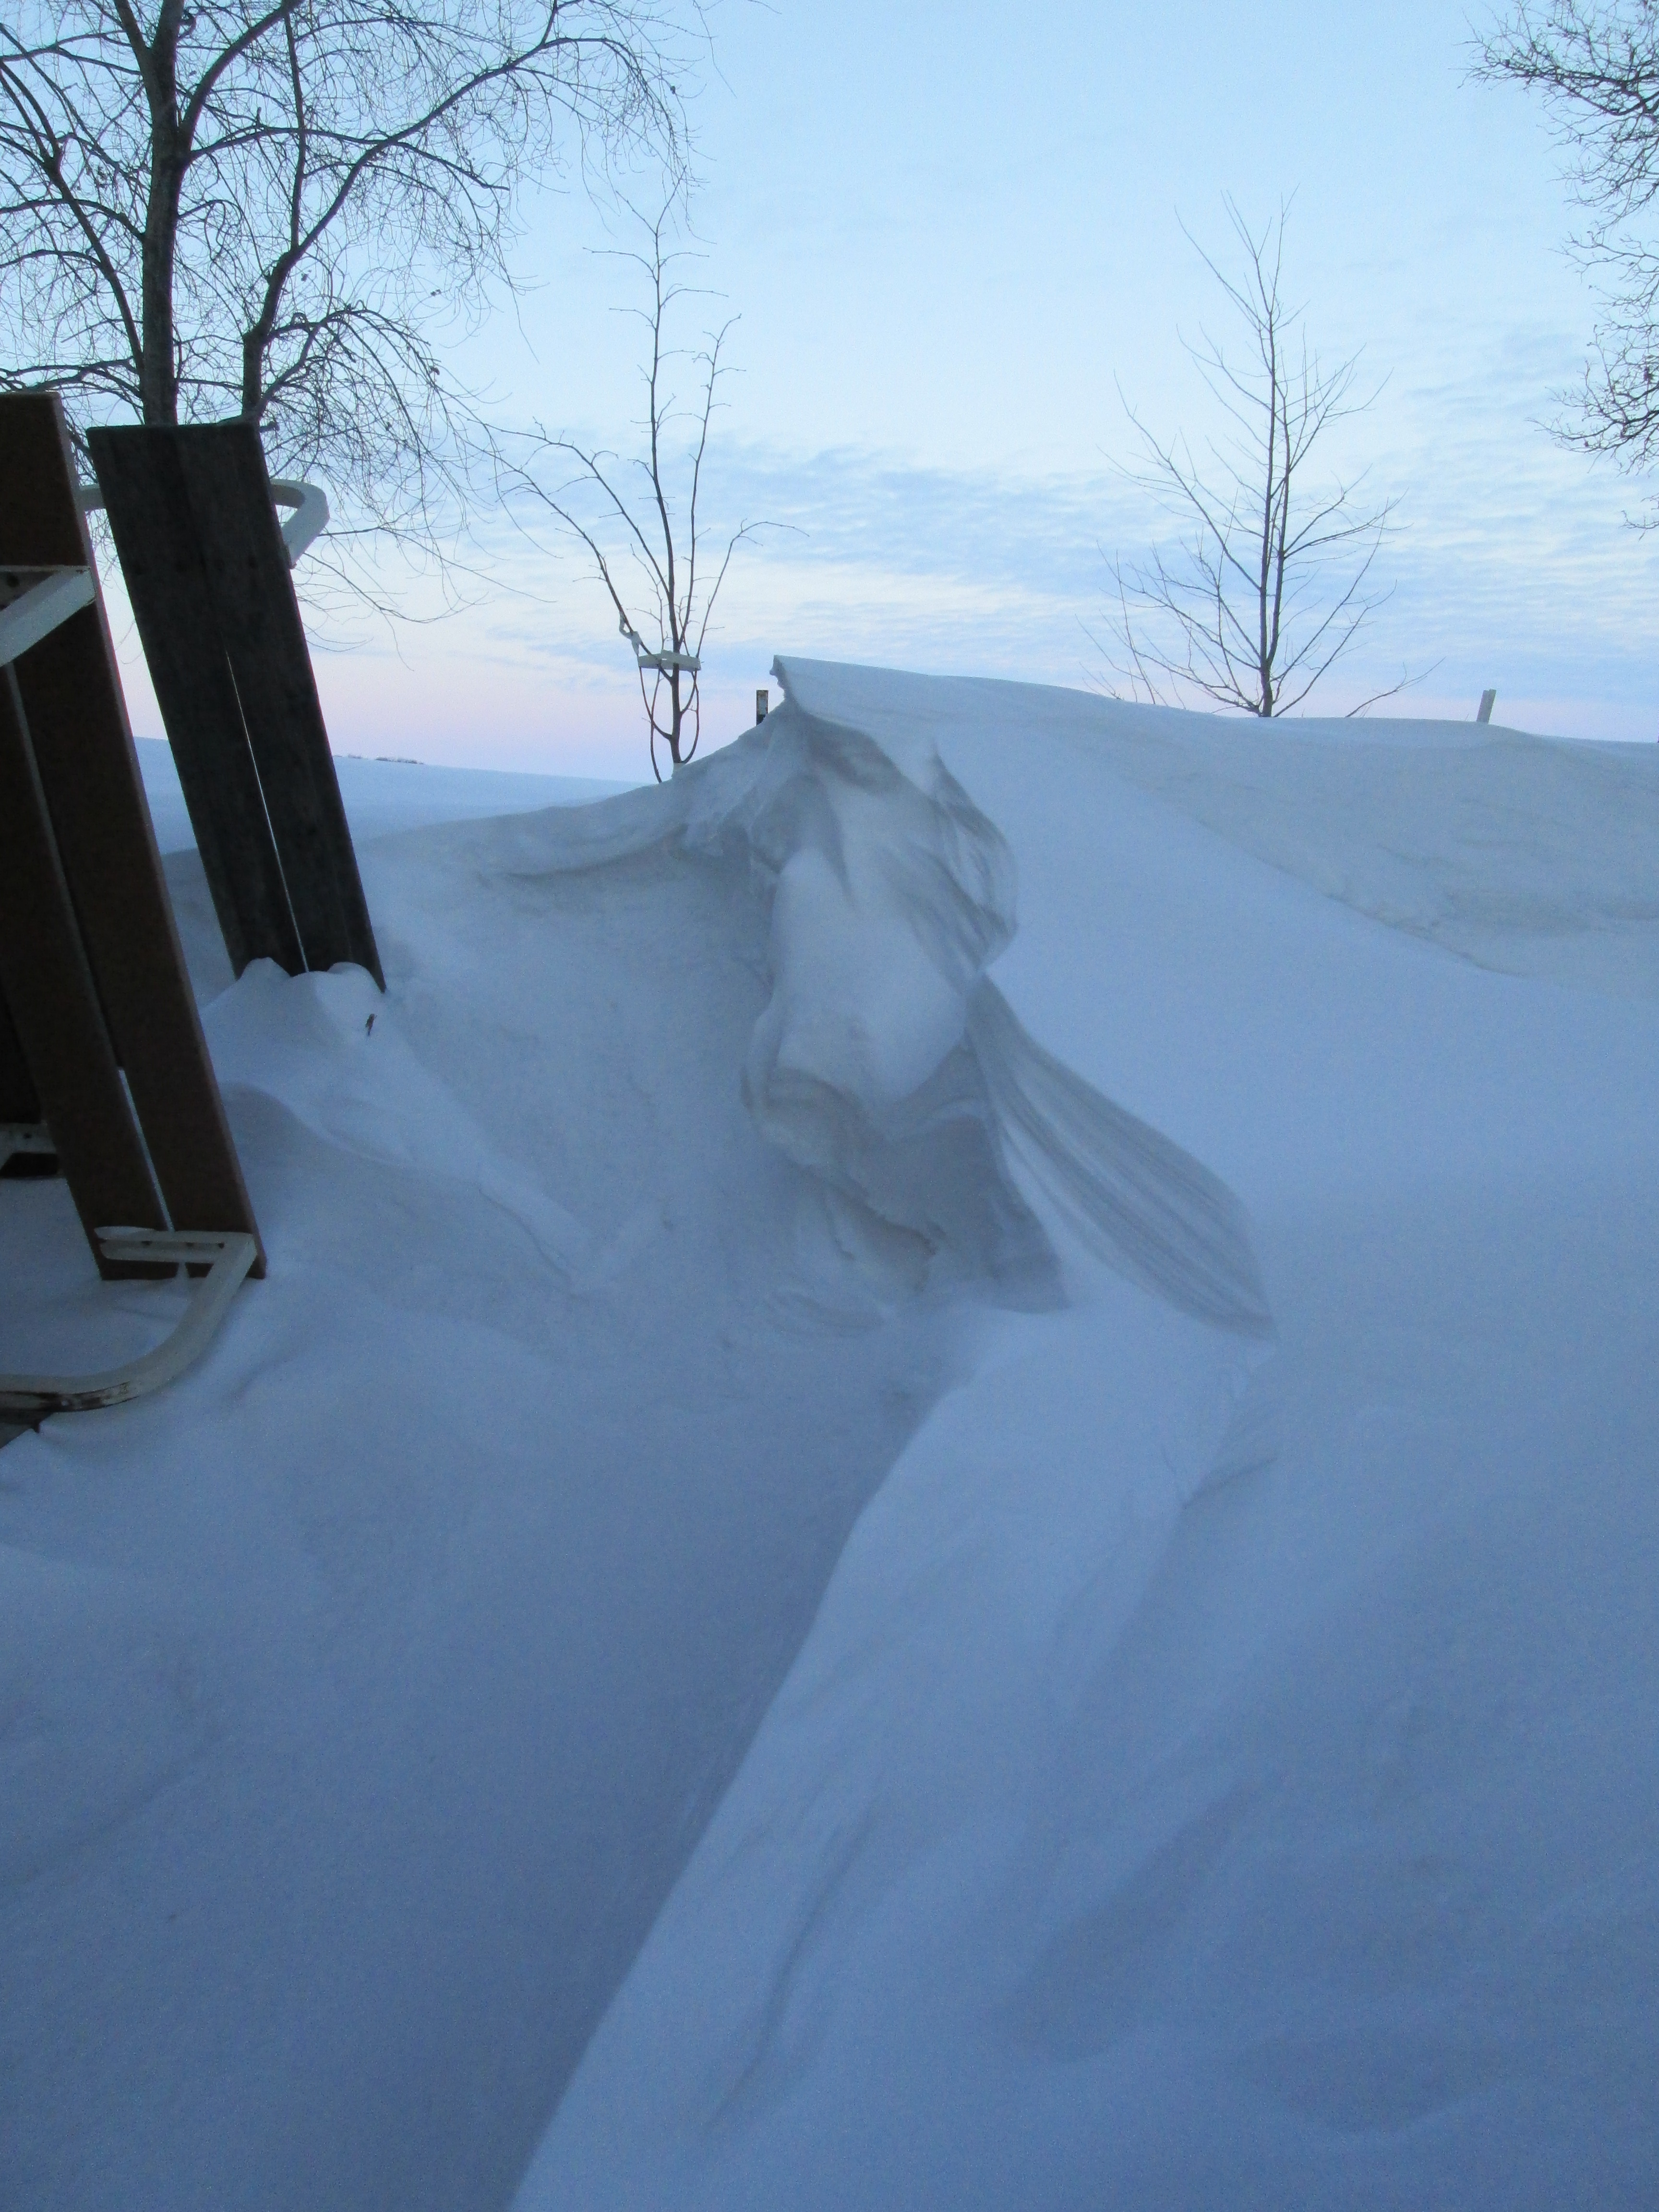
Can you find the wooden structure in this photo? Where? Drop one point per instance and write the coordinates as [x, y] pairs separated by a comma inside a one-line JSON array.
[[102, 1059], [207, 571]]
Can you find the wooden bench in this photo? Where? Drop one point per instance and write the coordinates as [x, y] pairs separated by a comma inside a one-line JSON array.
[[102, 1059]]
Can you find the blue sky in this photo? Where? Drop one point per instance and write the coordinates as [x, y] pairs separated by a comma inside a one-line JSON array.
[[951, 233]]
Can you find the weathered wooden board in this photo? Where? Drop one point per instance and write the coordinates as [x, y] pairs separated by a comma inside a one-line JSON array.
[[147, 502], [90, 772], [90, 962], [19, 1099], [246, 565], [202, 552], [35, 531], [53, 1001]]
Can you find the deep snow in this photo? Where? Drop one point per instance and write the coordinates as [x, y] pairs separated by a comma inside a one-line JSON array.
[[1151, 1222]]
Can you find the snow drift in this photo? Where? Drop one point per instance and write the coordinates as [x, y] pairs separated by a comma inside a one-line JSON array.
[[886, 1062], [944, 1495], [1226, 1773]]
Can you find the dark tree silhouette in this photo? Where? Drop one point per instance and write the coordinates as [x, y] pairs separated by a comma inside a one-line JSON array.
[[281, 210], [1597, 71]]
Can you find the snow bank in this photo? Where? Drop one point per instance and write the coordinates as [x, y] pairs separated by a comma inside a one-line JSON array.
[[1224, 1772], [887, 1064], [942, 1496], [362, 1696]]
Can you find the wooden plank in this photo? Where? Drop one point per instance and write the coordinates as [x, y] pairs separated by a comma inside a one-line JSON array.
[[54, 1004], [88, 772], [147, 504], [37, 533], [246, 563], [19, 1099]]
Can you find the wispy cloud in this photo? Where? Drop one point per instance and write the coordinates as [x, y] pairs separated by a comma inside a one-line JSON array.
[[1511, 566]]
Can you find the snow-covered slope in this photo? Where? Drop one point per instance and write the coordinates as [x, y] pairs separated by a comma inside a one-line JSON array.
[[952, 1429], [361, 1697], [1222, 1777], [381, 796]]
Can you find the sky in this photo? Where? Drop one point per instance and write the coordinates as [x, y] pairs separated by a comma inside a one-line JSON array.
[[952, 239]]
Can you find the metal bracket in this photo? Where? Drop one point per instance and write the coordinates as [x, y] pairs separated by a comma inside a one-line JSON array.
[[36, 601], [310, 516], [664, 663], [32, 1396], [24, 1137]]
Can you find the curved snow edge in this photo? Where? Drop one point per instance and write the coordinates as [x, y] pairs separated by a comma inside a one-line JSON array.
[[886, 1063]]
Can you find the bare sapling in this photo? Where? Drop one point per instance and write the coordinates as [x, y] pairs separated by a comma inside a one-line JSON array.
[[641, 519], [1268, 583]]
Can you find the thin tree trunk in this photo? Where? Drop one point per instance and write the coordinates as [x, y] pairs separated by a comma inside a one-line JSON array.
[[168, 159]]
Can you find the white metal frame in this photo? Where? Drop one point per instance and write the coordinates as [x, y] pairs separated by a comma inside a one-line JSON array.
[[30, 1397], [24, 1137], [309, 519], [303, 527], [49, 596]]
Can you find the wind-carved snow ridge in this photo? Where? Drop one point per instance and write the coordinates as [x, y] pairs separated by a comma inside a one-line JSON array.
[[891, 895], [1149, 1208], [888, 1063]]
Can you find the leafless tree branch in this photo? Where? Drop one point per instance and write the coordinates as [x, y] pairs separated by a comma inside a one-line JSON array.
[[281, 210], [662, 536], [1596, 69], [1269, 587]]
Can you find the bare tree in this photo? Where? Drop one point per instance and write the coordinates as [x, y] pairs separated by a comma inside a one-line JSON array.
[[1597, 69], [280, 209], [1268, 585], [640, 528]]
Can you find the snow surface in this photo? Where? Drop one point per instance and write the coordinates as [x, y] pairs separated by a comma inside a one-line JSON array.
[[944, 1495], [383, 795]]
